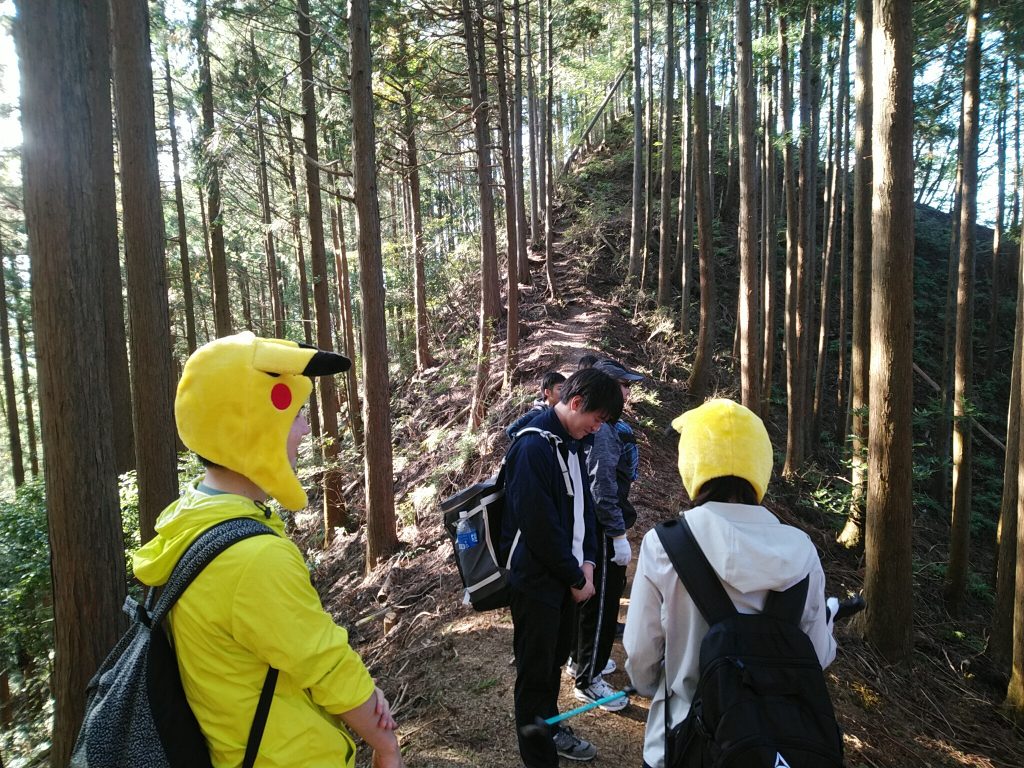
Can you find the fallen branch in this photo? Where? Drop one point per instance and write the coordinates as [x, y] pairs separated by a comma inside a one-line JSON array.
[[931, 382]]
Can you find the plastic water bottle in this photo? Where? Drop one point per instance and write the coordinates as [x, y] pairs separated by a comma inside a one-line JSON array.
[[465, 534]]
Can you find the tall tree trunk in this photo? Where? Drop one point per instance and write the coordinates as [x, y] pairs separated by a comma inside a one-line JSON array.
[[793, 388], [668, 111], [355, 418], [266, 205], [637, 234], [888, 587], [142, 210], [381, 536], [698, 381], [509, 179], [424, 359], [549, 160], [300, 259], [998, 228], [769, 230], [943, 445], [334, 503], [844, 246], [684, 226], [218, 252], [650, 136], [179, 207], [960, 533], [831, 241], [10, 389], [534, 114], [523, 270], [852, 534], [489, 248], [750, 329], [1000, 645], [1015, 690], [68, 259], [26, 395], [116, 361]]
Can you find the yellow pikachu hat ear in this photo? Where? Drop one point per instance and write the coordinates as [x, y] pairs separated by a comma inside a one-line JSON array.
[[236, 402], [722, 438]]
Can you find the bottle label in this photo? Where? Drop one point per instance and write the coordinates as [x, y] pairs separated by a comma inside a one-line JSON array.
[[467, 539]]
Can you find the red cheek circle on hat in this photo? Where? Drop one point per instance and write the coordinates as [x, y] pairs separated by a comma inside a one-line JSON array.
[[281, 396]]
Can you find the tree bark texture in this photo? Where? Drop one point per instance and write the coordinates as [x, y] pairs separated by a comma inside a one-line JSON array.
[[960, 533], [667, 111], [334, 504], [697, 383], [218, 251], [636, 237], [860, 343], [10, 388], [381, 536], [143, 217], [68, 258], [1000, 644], [749, 303], [179, 208], [888, 588], [98, 21]]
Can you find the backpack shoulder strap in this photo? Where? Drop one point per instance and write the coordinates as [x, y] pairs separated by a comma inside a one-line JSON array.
[[789, 604], [199, 554], [696, 572], [555, 441]]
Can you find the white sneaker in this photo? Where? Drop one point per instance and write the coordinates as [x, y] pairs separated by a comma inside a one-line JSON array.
[[599, 689]]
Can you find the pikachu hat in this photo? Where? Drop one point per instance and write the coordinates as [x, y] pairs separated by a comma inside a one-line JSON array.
[[721, 438], [236, 402]]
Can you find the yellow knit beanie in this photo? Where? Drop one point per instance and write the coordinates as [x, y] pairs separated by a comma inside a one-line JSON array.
[[236, 402], [722, 438]]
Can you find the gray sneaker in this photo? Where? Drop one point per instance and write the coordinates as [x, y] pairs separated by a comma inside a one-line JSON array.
[[572, 747]]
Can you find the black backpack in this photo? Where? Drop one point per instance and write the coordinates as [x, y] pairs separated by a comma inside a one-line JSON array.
[[761, 700], [482, 508], [136, 713]]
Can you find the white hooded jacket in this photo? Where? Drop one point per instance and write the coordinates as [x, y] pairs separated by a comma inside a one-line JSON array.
[[752, 553]]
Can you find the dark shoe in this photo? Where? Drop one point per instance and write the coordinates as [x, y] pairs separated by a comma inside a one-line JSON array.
[[572, 747]]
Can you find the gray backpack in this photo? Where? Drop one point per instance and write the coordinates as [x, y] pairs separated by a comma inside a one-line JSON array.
[[136, 713]]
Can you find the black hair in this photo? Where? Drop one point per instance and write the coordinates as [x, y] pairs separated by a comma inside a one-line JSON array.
[[587, 361], [550, 380], [207, 463], [600, 392], [728, 488]]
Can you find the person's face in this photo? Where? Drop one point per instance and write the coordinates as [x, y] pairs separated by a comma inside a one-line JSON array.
[[553, 395], [580, 423], [624, 386], [300, 428]]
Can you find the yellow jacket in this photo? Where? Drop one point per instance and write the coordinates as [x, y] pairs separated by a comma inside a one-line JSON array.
[[254, 606]]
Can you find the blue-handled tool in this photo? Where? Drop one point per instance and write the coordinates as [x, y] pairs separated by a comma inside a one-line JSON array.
[[542, 727]]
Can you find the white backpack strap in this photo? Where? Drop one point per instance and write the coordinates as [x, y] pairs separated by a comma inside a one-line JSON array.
[[555, 441]]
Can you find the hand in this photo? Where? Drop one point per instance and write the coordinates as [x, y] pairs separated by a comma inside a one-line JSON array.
[[387, 760], [623, 554], [582, 595], [382, 710]]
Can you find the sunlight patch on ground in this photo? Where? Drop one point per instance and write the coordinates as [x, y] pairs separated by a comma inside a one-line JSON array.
[[952, 753]]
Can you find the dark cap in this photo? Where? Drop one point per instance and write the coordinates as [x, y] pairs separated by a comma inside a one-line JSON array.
[[617, 370]]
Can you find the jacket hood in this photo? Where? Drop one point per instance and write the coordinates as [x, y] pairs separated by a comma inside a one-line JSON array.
[[181, 522], [740, 552]]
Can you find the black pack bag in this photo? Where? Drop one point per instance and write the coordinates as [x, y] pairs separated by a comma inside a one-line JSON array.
[[480, 509], [761, 700], [136, 713]]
